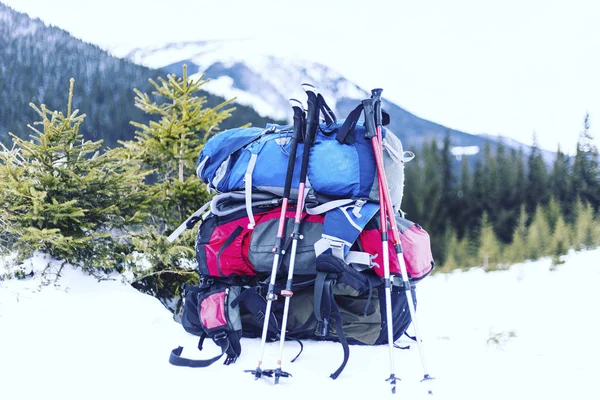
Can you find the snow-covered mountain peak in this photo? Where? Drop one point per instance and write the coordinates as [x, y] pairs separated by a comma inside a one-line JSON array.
[[249, 71]]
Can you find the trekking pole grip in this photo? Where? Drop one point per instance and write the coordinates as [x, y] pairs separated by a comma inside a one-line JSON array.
[[297, 133], [376, 96], [369, 110], [312, 123]]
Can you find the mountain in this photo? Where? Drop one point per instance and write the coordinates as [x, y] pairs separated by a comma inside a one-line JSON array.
[[37, 61], [264, 81]]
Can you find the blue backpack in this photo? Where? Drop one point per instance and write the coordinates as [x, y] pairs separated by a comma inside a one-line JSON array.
[[245, 158]]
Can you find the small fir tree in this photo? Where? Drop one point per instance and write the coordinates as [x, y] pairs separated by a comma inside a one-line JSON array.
[[538, 236], [489, 247], [560, 241], [168, 145], [62, 196], [553, 212], [517, 250], [583, 232]]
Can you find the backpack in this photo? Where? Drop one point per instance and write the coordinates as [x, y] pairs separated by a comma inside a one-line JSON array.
[[338, 295], [338, 286], [255, 159]]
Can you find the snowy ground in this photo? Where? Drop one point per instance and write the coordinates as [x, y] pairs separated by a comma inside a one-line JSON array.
[[87, 339]]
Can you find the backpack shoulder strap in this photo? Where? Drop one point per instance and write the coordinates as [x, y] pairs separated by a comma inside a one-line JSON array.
[[221, 339]]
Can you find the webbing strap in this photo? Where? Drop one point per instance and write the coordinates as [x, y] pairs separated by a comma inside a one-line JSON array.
[[176, 359], [351, 257], [319, 286], [248, 187], [192, 219], [330, 205], [340, 334], [345, 134], [228, 203], [226, 244], [326, 110], [359, 259]]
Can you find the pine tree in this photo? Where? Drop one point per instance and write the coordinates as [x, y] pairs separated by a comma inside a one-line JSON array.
[[560, 241], [586, 168], [538, 236], [63, 197], [553, 213], [462, 220], [168, 145], [489, 247], [507, 209], [537, 179], [517, 251], [448, 210], [458, 254], [560, 181], [583, 231]]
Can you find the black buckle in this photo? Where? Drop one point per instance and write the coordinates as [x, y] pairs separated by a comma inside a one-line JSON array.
[[220, 336]]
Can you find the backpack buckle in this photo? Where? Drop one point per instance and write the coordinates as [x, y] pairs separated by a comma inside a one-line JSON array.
[[337, 248], [220, 336]]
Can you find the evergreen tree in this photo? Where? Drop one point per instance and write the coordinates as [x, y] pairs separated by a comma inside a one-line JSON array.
[[583, 232], [505, 183], [538, 236], [517, 251], [586, 169], [477, 198], [458, 254], [490, 190], [462, 220], [489, 247], [560, 179], [448, 209], [537, 179], [520, 186], [553, 213], [560, 241], [168, 145], [63, 197]]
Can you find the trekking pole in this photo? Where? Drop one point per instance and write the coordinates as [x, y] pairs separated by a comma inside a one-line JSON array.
[[311, 129], [368, 105], [384, 189], [278, 250]]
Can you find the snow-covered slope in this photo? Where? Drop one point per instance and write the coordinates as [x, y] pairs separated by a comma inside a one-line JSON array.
[[525, 333]]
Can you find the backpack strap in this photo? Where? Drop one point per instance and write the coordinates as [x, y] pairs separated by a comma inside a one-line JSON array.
[[330, 205], [248, 189], [329, 116], [343, 340], [346, 132], [188, 223], [343, 224], [231, 202], [222, 339], [256, 305], [329, 270]]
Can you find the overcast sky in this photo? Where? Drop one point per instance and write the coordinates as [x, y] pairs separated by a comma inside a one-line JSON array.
[[508, 67]]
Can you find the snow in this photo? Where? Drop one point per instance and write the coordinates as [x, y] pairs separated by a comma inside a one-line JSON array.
[[80, 337], [459, 151], [224, 86]]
